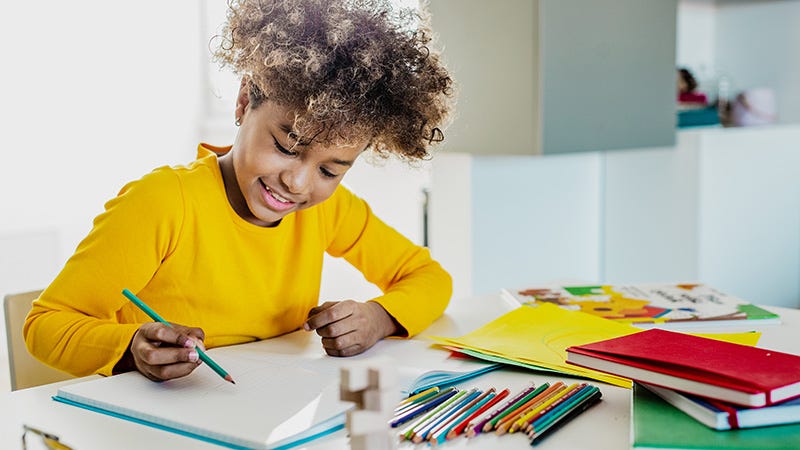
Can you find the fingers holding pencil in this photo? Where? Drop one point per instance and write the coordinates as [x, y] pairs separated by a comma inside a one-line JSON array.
[[192, 333], [161, 352], [177, 335]]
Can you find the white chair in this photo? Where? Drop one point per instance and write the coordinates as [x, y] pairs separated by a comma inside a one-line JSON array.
[[26, 371]]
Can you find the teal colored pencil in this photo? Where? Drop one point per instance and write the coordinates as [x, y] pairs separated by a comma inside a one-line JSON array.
[[153, 315], [408, 431], [423, 434], [415, 434], [443, 433], [542, 424], [506, 411], [453, 415]]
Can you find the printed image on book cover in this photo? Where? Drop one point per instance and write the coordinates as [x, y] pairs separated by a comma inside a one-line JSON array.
[[647, 303]]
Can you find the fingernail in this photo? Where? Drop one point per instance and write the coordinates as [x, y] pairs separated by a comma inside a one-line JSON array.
[[189, 343], [193, 356], [306, 326]]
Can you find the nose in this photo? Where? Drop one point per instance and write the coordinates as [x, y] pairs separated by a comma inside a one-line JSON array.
[[297, 179]]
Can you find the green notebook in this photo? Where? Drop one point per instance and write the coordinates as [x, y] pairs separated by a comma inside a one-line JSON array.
[[657, 424]]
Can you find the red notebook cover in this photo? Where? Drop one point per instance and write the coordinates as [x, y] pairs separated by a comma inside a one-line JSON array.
[[738, 367]]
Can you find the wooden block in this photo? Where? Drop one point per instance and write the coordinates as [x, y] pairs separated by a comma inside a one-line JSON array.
[[371, 442], [371, 385], [365, 422], [382, 401], [382, 376], [354, 378]]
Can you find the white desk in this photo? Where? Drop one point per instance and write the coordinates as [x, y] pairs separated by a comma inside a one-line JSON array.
[[605, 426]]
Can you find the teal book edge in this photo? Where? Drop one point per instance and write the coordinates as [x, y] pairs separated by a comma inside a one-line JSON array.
[[321, 429], [655, 424]]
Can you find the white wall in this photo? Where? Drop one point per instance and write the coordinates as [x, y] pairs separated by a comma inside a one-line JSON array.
[[650, 214], [95, 94], [722, 207], [535, 219], [450, 221], [749, 212], [695, 42]]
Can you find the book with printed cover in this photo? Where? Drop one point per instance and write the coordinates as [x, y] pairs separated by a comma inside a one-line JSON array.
[[669, 306]]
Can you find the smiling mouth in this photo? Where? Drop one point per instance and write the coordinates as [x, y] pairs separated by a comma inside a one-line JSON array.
[[276, 201], [277, 196]]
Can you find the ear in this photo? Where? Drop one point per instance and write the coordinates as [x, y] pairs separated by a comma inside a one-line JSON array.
[[243, 99]]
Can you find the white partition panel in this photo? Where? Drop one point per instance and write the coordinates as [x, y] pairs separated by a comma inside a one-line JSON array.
[[749, 215]]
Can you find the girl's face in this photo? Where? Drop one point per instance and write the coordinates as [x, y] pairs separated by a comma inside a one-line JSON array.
[[267, 176]]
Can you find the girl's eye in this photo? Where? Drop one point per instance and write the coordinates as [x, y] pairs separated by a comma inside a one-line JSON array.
[[327, 173], [282, 149]]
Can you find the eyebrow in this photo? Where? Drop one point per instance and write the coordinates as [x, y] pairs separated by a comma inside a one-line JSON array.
[[289, 131]]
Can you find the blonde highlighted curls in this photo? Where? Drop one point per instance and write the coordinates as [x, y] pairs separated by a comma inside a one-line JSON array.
[[352, 69]]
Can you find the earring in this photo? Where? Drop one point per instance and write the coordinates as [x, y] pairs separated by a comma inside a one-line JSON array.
[[238, 121]]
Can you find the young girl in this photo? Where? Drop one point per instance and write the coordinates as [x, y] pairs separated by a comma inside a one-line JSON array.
[[229, 248]]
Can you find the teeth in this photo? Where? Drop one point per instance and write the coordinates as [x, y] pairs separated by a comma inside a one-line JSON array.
[[278, 197]]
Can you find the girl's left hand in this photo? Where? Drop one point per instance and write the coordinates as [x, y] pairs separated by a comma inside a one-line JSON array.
[[349, 327]]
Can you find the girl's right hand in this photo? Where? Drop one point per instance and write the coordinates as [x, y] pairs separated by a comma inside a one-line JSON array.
[[162, 353]]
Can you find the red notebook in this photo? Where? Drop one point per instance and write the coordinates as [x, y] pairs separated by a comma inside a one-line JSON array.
[[735, 373]]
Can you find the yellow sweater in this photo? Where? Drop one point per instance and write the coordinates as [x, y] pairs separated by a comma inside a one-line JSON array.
[[172, 238]]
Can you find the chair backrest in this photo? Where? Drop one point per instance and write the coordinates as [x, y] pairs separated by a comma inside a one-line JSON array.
[[26, 371]]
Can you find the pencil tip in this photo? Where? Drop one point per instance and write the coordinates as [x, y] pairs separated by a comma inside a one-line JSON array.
[[230, 379]]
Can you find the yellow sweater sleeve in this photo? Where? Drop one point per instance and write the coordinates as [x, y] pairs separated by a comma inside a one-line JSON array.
[[416, 289], [74, 325]]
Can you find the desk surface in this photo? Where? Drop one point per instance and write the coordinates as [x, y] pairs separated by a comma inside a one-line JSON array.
[[605, 426]]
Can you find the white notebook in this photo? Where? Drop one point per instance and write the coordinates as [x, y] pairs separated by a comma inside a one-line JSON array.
[[278, 401]]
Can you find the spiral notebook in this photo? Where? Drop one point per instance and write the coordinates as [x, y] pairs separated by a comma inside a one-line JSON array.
[[277, 402]]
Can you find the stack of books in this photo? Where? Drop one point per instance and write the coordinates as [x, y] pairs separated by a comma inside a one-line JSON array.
[[720, 415], [696, 392]]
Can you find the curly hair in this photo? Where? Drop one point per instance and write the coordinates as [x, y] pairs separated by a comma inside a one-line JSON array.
[[351, 69]]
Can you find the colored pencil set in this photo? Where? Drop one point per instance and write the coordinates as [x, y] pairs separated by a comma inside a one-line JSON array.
[[437, 415]]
